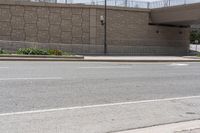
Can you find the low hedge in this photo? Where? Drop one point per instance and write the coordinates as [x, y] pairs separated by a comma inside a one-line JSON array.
[[32, 51], [37, 51], [1, 51], [55, 52]]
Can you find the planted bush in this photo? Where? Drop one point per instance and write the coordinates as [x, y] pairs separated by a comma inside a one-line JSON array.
[[37, 51], [195, 35], [55, 52], [1, 51], [32, 51]]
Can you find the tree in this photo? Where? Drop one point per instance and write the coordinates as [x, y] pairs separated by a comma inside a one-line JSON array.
[[195, 35]]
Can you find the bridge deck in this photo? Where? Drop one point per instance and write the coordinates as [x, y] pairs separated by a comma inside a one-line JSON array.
[[182, 15]]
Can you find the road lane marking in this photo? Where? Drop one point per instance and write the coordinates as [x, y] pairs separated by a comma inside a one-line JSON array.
[[3, 67], [178, 64], [40, 78], [107, 67], [97, 106]]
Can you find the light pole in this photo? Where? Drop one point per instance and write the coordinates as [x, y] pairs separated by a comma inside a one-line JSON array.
[[126, 3], [103, 19], [105, 28]]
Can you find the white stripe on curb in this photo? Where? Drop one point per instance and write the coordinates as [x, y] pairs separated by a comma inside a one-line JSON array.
[[100, 105]]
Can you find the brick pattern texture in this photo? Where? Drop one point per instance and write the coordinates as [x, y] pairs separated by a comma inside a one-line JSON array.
[[77, 29], [44, 24]]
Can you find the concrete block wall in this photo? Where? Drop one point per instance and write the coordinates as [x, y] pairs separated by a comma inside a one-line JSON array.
[[77, 29], [129, 32]]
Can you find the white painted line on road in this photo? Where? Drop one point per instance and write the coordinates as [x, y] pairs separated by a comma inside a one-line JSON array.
[[99, 105], [3, 67], [178, 64], [106, 67], [41, 78]]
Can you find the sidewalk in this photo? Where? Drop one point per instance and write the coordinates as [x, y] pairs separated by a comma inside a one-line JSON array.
[[101, 58], [143, 58], [183, 127], [40, 58]]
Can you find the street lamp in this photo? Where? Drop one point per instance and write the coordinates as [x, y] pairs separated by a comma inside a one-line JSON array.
[[103, 20], [105, 28]]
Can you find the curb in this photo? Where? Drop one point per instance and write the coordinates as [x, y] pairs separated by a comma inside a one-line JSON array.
[[147, 61], [40, 58], [86, 60], [82, 58]]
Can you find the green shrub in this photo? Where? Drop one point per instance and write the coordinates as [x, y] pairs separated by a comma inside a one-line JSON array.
[[55, 52], [1, 51], [32, 51], [37, 51], [195, 35]]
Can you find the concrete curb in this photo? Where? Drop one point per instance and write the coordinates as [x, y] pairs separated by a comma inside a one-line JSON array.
[[40, 58], [82, 58], [187, 60], [142, 59]]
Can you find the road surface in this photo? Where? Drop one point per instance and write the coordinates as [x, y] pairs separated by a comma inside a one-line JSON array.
[[43, 86]]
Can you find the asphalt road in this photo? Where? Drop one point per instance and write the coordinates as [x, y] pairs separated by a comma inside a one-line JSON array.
[[27, 86], [89, 97]]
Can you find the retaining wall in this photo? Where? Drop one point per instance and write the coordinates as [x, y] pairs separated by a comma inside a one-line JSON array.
[[77, 29]]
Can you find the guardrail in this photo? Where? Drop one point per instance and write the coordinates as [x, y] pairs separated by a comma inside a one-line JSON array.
[[169, 3], [125, 3]]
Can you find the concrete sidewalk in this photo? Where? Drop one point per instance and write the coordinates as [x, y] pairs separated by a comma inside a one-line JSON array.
[[143, 58], [101, 58], [183, 127], [40, 58]]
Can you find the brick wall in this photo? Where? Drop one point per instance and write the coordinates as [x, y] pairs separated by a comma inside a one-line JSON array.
[[77, 28]]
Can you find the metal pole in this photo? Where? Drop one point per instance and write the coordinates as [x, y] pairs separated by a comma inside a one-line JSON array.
[[126, 3], [148, 5], [105, 29]]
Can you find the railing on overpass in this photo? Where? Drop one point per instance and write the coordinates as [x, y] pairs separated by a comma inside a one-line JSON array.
[[124, 3], [169, 3]]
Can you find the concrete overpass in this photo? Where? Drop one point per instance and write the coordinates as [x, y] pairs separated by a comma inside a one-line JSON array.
[[182, 15]]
